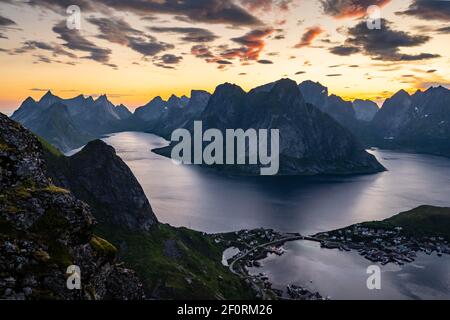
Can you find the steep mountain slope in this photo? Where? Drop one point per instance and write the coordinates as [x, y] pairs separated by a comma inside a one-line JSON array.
[[44, 229], [172, 262], [311, 142], [419, 123], [340, 110], [99, 177], [57, 126], [365, 109], [70, 123]]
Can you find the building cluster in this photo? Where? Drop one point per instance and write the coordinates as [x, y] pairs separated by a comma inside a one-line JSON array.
[[383, 245]]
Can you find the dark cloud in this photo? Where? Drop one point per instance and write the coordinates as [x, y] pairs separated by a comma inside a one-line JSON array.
[[429, 10], [266, 5], [189, 34], [344, 50], [170, 59], [208, 11], [349, 8], [382, 44], [265, 61], [167, 61], [334, 75], [75, 41], [309, 36], [55, 49], [5, 22], [431, 71], [300, 72], [118, 31], [443, 29]]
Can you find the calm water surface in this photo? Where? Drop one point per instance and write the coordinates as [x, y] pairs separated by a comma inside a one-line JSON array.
[[202, 200]]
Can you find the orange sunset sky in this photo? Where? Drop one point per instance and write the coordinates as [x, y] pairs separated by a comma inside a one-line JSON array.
[[135, 50]]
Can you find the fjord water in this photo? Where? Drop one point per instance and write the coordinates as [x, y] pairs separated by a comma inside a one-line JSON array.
[[203, 200], [207, 201]]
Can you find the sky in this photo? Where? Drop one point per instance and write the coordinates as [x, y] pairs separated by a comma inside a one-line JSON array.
[[135, 50]]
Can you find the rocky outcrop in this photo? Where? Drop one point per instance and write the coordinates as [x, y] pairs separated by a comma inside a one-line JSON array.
[[99, 177], [44, 229]]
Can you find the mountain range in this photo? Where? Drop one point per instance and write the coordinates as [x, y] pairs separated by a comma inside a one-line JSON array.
[[417, 122]]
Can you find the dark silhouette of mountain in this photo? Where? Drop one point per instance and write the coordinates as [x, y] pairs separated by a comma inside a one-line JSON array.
[[70, 123], [163, 117], [418, 122], [99, 177], [311, 142], [316, 94], [365, 110]]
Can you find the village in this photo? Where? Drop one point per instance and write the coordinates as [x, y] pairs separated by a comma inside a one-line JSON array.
[[383, 245], [252, 246], [246, 249]]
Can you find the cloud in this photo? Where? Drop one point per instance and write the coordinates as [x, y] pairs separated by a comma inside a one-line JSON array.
[[170, 59], [429, 10], [344, 50], [39, 89], [443, 30], [75, 41], [5, 23], [334, 75], [207, 11], [167, 61], [300, 72], [252, 45], [309, 36], [266, 5], [117, 30], [202, 51], [349, 8], [382, 44], [189, 34], [265, 61], [55, 49]]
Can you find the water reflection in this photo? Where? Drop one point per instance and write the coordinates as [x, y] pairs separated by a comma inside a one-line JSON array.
[[207, 201]]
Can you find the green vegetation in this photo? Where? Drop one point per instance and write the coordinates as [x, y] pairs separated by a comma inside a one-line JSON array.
[[47, 147], [421, 221], [3, 145], [103, 247], [177, 263], [55, 189]]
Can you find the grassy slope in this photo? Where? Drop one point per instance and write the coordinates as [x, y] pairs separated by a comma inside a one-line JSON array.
[[421, 221], [177, 263]]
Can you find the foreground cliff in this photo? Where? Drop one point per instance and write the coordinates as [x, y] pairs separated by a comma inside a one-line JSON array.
[[173, 263], [44, 229]]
